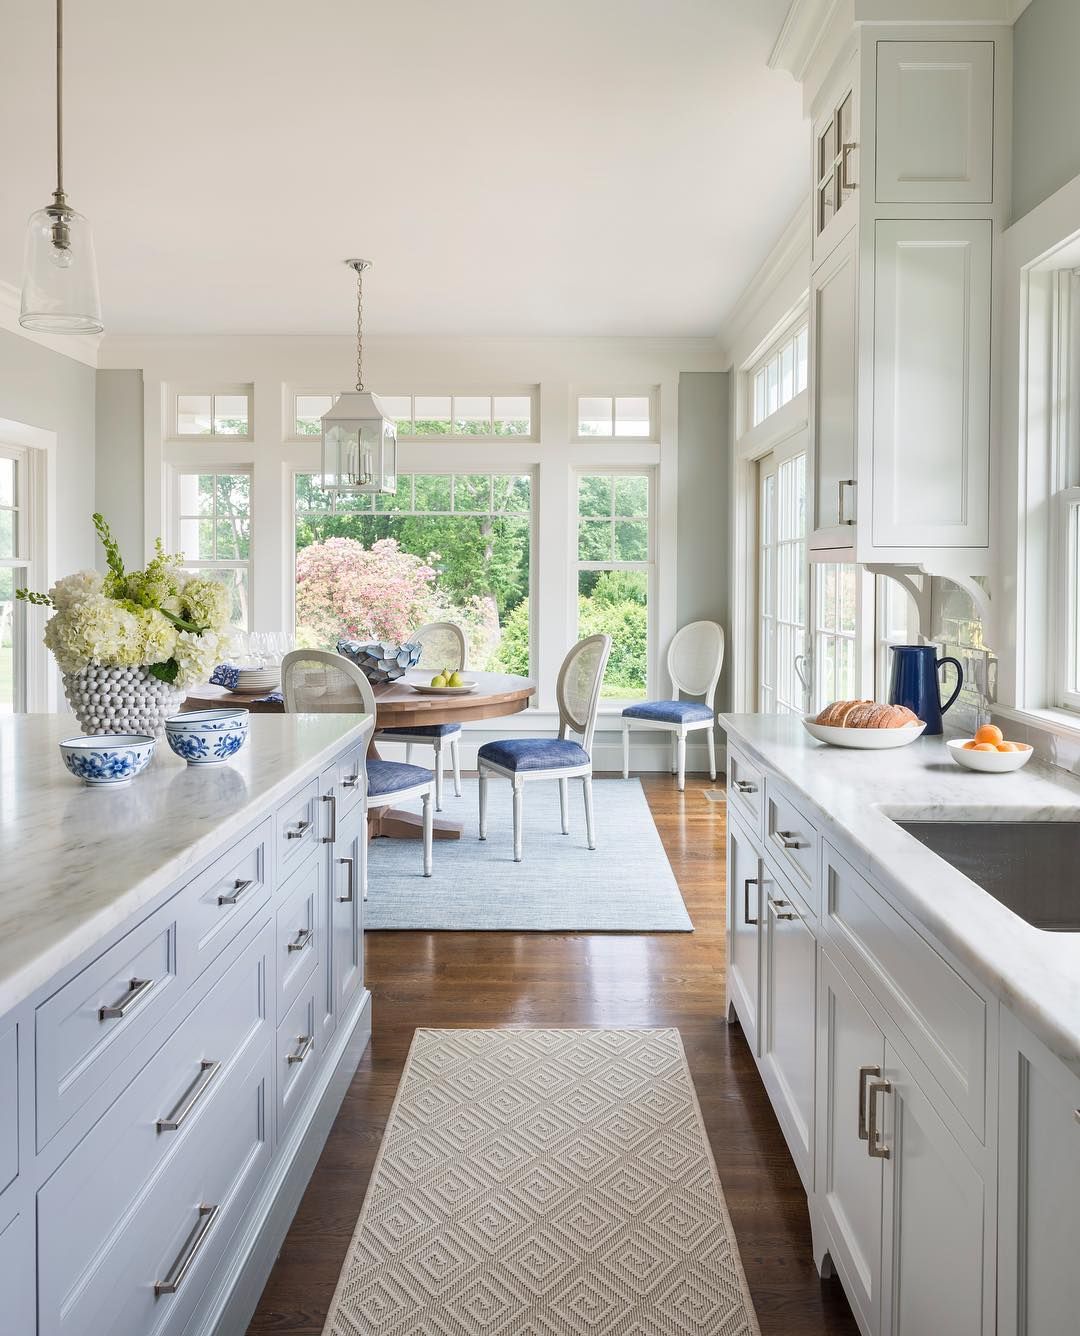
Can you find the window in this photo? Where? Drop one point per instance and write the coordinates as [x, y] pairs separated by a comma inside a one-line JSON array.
[[779, 376], [459, 416], [614, 574], [219, 413], [626, 416], [445, 546], [781, 583], [213, 526], [898, 624], [836, 632], [14, 574]]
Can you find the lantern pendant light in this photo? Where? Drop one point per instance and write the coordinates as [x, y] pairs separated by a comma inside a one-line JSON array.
[[60, 287], [359, 441]]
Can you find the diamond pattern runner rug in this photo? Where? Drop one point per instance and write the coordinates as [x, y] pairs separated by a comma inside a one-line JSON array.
[[544, 1183]]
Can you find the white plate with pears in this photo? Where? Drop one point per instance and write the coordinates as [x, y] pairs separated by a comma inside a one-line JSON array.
[[445, 684]]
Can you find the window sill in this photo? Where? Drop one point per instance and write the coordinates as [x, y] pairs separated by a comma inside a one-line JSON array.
[[1059, 722]]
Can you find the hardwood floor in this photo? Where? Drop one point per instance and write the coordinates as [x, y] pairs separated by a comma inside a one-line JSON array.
[[480, 979]]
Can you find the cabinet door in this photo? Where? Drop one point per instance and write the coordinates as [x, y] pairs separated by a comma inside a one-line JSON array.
[[835, 170], [1038, 1201], [744, 930], [851, 1050], [931, 429], [832, 416], [17, 1273], [789, 996], [329, 832], [936, 1235], [347, 937]]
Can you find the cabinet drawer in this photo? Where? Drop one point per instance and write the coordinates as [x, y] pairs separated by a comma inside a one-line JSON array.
[[97, 1201], [299, 932], [746, 789], [297, 1053], [350, 780], [297, 821], [938, 1013], [227, 895], [792, 840], [9, 1105], [189, 1210], [87, 1029]]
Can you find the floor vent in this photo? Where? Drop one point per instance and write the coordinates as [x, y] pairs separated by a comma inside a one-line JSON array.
[[715, 795]]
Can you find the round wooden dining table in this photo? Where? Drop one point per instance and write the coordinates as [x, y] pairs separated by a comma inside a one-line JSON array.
[[399, 706]]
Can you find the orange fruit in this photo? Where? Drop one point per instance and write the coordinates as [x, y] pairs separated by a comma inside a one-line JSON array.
[[1007, 746], [985, 746], [990, 733], [969, 746]]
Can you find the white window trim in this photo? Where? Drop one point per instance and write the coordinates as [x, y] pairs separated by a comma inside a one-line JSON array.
[[788, 333], [530, 392], [172, 393], [651, 392]]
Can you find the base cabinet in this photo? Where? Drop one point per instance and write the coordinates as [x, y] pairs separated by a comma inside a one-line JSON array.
[[744, 930], [17, 1272], [1039, 1189]]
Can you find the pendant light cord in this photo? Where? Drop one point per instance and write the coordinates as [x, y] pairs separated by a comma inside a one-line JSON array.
[[59, 97], [359, 327]]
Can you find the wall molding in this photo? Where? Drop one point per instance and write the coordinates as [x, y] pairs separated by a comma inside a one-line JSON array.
[[79, 347], [804, 28], [786, 252]]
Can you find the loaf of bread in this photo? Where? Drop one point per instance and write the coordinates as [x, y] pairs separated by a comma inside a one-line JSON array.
[[865, 714]]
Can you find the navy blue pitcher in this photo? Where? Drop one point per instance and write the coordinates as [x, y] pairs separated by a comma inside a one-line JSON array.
[[914, 682]]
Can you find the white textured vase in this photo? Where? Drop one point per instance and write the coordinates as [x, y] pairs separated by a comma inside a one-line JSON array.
[[121, 700]]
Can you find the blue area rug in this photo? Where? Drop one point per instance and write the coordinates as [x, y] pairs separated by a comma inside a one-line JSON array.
[[624, 885]]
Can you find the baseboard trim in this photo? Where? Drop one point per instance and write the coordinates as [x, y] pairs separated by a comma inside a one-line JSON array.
[[238, 1289]]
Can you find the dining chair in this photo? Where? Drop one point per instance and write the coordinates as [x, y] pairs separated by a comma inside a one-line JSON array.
[[561, 758], [443, 645], [317, 681], [694, 659]]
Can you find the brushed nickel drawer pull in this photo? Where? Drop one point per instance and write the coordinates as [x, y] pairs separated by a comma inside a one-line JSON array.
[[302, 827], [306, 1042], [136, 989], [351, 781], [777, 905], [790, 839], [744, 786], [192, 1246], [302, 939], [331, 798], [1076, 1114], [844, 482], [864, 1072], [349, 863], [239, 887], [876, 1150], [191, 1096], [749, 881]]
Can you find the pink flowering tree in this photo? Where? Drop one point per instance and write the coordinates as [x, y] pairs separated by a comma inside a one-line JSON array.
[[346, 589]]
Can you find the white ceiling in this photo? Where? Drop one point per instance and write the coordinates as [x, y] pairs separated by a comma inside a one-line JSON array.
[[520, 167]]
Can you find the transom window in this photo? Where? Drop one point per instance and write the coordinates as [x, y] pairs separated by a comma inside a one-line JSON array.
[[214, 413], [779, 376], [445, 547], [629, 416], [615, 569], [213, 527], [458, 416]]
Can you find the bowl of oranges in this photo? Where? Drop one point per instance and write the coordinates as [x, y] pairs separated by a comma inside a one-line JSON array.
[[989, 751]]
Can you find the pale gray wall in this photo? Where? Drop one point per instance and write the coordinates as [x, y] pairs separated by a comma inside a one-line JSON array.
[[40, 388], [703, 502], [118, 487], [1046, 101]]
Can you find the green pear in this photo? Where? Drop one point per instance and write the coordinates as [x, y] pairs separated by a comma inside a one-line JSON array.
[[439, 680], [454, 680]]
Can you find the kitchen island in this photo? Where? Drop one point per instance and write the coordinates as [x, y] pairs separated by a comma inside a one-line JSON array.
[[919, 1040], [181, 1008]]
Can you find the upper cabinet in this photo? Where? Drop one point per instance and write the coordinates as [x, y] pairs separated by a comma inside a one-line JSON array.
[[909, 140]]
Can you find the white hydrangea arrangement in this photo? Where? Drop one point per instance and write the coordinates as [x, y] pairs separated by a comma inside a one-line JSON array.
[[173, 624]]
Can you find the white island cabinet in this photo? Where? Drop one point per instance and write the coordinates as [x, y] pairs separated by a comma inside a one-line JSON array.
[[181, 1007], [919, 1042]]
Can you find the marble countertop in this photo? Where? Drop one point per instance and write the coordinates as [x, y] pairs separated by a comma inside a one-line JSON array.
[[77, 861], [862, 794]]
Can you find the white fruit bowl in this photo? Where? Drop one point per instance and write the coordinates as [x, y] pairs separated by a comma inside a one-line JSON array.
[[864, 739], [427, 690], [990, 763]]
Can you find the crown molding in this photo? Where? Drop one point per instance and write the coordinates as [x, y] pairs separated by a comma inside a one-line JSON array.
[[792, 245], [84, 348], [804, 28]]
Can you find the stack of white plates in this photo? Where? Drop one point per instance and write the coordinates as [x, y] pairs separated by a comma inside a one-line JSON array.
[[257, 679]]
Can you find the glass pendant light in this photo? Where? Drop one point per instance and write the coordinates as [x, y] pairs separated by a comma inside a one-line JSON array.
[[359, 441], [60, 287]]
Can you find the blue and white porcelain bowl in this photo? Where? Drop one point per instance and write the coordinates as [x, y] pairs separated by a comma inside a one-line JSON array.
[[207, 737], [108, 758]]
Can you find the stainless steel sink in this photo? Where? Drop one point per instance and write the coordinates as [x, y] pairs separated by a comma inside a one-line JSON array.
[[1031, 867]]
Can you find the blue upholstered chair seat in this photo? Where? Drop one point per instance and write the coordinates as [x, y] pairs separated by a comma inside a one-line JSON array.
[[534, 753], [392, 776], [669, 711], [423, 731]]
